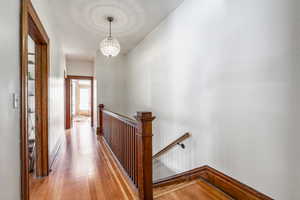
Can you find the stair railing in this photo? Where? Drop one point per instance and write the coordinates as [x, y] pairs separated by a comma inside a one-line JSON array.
[[172, 145], [130, 140]]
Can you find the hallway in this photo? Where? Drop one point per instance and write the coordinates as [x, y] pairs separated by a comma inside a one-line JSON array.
[[81, 171], [139, 99]]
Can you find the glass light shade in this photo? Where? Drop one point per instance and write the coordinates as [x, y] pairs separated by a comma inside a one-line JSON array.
[[110, 47]]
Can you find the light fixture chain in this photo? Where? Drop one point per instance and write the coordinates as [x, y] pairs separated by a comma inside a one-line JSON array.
[[110, 28]]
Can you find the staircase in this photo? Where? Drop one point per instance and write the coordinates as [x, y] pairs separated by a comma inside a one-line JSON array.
[[186, 189], [195, 189], [130, 143]]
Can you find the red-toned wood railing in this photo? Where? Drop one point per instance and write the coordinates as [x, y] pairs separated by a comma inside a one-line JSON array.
[[131, 142]]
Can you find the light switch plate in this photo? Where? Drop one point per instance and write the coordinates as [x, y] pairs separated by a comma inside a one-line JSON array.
[[16, 101]]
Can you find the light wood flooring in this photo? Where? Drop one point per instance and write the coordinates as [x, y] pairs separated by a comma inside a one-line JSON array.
[[82, 171], [190, 190]]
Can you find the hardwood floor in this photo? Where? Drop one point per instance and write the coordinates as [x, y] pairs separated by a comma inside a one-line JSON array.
[[189, 190], [82, 171]]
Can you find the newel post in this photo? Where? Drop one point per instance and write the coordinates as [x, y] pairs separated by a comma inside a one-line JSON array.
[[144, 155], [100, 120]]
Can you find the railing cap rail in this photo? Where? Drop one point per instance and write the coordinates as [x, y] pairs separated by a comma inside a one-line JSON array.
[[123, 118], [171, 145]]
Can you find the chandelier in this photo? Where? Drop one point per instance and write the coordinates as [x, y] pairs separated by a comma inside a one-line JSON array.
[[110, 46]]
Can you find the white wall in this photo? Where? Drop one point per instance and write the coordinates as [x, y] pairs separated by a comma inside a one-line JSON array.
[[228, 72], [80, 67], [111, 82], [57, 66], [9, 84]]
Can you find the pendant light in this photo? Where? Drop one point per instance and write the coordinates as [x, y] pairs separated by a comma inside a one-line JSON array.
[[110, 46]]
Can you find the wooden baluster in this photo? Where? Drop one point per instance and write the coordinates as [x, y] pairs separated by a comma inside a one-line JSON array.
[[116, 138], [128, 149], [100, 120], [111, 132], [126, 146], [123, 143], [128, 161], [144, 135], [104, 127], [117, 146], [112, 136], [108, 129], [119, 141], [135, 158], [131, 152]]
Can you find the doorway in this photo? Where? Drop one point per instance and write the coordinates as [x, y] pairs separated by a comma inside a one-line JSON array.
[[79, 100], [34, 98]]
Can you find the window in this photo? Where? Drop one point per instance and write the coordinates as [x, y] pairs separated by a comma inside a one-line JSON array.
[[84, 99], [84, 82], [74, 97]]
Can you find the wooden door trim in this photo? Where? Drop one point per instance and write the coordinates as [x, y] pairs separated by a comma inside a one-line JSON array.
[[31, 25], [68, 113], [24, 100], [80, 77], [67, 103]]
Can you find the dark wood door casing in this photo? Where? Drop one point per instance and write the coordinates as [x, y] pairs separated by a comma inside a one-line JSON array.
[[32, 26], [68, 103], [68, 87]]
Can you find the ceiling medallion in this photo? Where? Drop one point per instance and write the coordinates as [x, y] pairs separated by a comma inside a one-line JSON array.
[[110, 46]]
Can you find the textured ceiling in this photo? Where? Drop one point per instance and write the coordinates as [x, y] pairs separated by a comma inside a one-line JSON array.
[[82, 23]]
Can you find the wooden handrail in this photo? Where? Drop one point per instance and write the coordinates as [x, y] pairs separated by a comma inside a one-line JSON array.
[[170, 146], [121, 117]]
